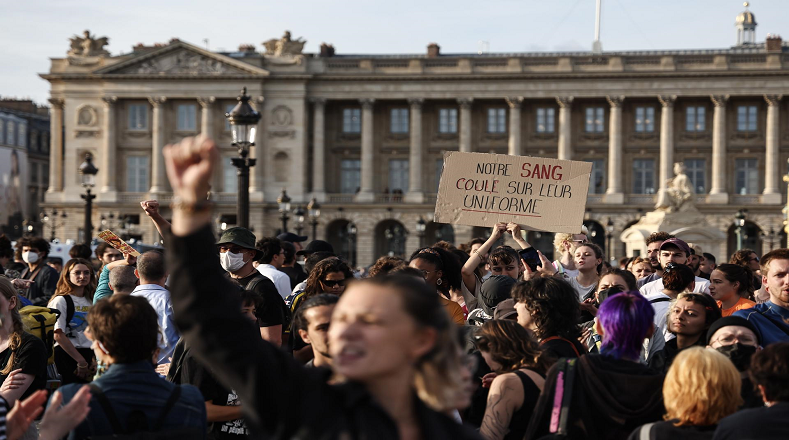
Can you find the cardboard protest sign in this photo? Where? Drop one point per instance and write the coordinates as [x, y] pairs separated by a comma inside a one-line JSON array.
[[113, 240], [480, 189]]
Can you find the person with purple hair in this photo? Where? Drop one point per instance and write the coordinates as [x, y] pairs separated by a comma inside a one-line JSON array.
[[612, 393]]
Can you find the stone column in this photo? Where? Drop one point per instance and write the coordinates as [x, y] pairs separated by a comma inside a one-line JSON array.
[[514, 145], [56, 146], [158, 174], [108, 162], [319, 149], [465, 124], [565, 147], [416, 193], [257, 173], [718, 192], [614, 193], [207, 129], [367, 190], [666, 147], [772, 192]]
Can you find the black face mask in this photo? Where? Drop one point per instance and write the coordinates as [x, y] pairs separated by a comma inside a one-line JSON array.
[[739, 354], [605, 293]]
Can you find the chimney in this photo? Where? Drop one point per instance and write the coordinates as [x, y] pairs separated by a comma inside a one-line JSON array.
[[433, 50], [327, 50], [773, 43]]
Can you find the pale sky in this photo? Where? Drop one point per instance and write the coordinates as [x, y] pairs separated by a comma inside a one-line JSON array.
[[32, 31]]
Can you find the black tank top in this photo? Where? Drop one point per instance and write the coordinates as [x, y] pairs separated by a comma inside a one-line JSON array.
[[520, 419]]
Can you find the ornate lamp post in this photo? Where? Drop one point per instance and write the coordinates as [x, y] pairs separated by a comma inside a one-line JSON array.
[[88, 172], [352, 243], [314, 212], [284, 207], [739, 224], [243, 121], [609, 233], [299, 214], [420, 231], [51, 219]]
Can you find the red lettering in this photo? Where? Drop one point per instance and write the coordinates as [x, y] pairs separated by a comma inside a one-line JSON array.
[[525, 167]]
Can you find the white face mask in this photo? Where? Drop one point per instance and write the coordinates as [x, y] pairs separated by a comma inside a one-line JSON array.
[[30, 257], [231, 262]]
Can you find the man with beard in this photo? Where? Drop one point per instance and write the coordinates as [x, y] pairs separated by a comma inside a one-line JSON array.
[[736, 338], [695, 258], [707, 265], [654, 241], [312, 320], [674, 251], [771, 318]]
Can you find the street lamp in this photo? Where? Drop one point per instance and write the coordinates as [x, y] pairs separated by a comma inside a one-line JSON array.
[[739, 224], [352, 243], [88, 172], [609, 232], [420, 231], [299, 214], [314, 211], [51, 219], [284, 207], [243, 120]]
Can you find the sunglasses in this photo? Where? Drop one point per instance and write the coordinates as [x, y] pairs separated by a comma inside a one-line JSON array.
[[332, 283]]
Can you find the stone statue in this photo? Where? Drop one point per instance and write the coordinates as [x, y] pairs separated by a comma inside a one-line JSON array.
[[285, 46], [679, 192], [87, 46]]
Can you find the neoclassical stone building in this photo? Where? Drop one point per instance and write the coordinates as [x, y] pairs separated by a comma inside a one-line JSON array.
[[365, 134]]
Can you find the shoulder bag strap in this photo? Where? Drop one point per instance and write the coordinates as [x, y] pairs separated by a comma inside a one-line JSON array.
[[661, 299], [174, 396], [69, 310], [567, 397], [558, 395], [96, 392], [554, 338], [643, 433]]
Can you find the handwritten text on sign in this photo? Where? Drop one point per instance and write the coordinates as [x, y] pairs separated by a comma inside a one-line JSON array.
[[544, 194]]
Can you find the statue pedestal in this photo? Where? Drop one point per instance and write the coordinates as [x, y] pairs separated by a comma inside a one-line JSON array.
[[688, 224]]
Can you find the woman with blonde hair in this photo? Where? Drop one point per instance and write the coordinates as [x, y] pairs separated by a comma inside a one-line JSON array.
[[73, 298], [701, 387], [640, 267]]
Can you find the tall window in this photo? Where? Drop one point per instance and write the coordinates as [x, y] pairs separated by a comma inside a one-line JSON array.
[[746, 173], [33, 172], [597, 183], [230, 175], [138, 116], [10, 133], [350, 176], [439, 169], [497, 120], [695, 119], [21, 136], [352, 120], [228, 109], [448, 120], [545, 120], [2, 131], [644, 176], [398, 120], [746, 118], [398, 175], [645, 119], [137, 174], [187, 117], [695, 169], [595, 120]]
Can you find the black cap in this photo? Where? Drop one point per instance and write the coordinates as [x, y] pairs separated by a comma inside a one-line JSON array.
[[316, 246], [730, 321], [493, 291], [291, 237], [241, 237]]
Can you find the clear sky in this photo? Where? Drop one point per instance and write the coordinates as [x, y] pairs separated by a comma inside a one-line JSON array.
[[32, 31]]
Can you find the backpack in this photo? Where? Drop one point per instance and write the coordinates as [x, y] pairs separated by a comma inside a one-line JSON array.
[[40, 322], [137, 422]]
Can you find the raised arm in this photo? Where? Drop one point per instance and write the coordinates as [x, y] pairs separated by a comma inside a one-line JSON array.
[[468, 270], [209, 316], [151, 208]]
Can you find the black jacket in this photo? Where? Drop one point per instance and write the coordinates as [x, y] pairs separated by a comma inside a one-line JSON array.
[[280, 398]]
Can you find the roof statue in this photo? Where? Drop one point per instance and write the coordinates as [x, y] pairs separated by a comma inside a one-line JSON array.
[[678, 195], [285, 46], [87, 45]]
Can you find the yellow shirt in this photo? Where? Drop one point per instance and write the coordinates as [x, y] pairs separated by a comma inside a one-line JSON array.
[[454, 310]]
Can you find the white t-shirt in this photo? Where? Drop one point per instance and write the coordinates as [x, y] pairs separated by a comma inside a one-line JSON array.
[[76, 334], [582, 291], [655, 288]]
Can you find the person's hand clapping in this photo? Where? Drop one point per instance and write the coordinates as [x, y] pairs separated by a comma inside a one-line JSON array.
[[59, 420]]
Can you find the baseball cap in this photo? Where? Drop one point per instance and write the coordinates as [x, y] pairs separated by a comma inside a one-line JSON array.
[[493, 291], [676, 242], [241, 237], [316, 246], [505, 309], [291, 237]]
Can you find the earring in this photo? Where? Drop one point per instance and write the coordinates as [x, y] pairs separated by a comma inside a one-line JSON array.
[[439, 281]]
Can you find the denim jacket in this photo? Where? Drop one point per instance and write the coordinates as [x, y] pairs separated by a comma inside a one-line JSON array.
[[137, 386]]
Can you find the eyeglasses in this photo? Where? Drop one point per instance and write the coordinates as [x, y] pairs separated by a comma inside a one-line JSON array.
[[756, 259], [332, 283]]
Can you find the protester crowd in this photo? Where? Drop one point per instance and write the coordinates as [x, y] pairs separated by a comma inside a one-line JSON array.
[[262, 337]]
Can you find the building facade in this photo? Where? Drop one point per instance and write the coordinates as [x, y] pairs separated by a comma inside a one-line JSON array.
[[365, 135]]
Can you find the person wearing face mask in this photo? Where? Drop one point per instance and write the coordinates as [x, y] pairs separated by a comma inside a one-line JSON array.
[[37, 280], [738, 340], [237, 253]]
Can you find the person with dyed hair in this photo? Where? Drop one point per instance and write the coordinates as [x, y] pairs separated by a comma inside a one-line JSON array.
[[701, 387], [612, 392]]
